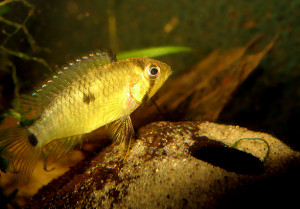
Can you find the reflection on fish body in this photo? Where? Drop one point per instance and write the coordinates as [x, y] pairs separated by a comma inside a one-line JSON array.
[[94, 91]]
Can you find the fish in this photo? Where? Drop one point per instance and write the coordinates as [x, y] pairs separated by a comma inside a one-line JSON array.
[[90, 92]]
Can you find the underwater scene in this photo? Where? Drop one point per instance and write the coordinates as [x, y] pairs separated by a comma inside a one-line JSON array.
[[149, 104]]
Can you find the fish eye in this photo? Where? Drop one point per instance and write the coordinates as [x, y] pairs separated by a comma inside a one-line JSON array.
[[153, 71]]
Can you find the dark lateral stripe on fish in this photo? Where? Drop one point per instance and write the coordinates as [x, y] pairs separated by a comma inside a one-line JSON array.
[[32, 139], [139, 63], [146, 96], [88, 98]]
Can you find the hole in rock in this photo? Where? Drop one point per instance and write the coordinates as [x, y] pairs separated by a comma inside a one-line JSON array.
[[229, 159]]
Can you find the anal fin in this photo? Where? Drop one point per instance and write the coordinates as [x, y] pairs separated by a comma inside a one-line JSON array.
[[57, 148]]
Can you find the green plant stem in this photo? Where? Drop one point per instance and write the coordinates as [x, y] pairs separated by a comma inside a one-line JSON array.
[[26, 57]]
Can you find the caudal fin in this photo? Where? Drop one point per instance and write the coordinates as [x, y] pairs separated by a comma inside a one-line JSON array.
[[15, 149]]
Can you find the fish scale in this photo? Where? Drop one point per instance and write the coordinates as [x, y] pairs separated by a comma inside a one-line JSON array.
[[94, 91]]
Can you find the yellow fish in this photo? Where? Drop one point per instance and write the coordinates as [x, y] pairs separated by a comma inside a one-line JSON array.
[[91, 92]]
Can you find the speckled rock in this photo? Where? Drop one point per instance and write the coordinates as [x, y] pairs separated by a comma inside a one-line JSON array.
[[180, 165]]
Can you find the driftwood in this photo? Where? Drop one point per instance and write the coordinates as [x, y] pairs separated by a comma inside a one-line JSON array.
[[202, 92]]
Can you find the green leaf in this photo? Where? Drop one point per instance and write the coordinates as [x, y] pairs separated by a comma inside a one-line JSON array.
[[27, 122], [153, 52], [14, 114]]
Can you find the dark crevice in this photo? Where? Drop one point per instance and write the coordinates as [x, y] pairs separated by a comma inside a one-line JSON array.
[[229, 159]]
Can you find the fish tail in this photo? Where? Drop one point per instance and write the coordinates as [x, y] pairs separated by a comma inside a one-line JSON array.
[[17, 152]]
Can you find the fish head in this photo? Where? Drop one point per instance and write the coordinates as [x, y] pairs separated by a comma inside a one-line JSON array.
[[155, 73], [146, 76]]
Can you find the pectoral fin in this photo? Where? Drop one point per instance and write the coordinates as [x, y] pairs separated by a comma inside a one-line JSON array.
[[121, 131]]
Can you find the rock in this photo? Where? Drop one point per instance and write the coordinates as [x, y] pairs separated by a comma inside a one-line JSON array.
[[181, 165]]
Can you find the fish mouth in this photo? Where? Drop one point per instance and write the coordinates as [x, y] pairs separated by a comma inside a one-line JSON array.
[[169, 72]]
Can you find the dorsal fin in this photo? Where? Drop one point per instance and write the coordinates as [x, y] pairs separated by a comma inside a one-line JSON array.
[[31, 106]]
